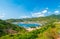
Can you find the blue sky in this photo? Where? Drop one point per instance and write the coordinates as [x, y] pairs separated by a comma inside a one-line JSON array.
[[28, 8]]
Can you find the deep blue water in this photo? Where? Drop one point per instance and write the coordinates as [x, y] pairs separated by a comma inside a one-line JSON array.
[[28, 25]]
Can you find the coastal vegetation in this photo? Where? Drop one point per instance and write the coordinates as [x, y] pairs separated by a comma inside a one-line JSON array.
[[8, 28], [50, 28]]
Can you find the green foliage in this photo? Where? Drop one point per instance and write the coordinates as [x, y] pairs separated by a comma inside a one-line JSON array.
[[6, 27], [30, 35], [47, 31], [40, 19]]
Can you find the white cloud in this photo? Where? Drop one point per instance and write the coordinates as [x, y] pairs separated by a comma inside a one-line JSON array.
[[38, 14], [56, 12], [2, 15], [24, 17], [44, 11]]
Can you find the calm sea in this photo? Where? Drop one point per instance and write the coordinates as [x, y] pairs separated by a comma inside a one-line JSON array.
[[28, 25]]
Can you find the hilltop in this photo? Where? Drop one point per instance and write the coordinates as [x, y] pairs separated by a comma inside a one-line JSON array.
[[37, 19]]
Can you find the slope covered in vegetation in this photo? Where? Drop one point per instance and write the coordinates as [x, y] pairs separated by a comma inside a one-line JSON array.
[[49, 31], [37, 19], [8, 28]]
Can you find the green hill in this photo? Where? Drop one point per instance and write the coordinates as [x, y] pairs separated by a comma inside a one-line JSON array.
[[50, 30], [39, 19], [8, 28]]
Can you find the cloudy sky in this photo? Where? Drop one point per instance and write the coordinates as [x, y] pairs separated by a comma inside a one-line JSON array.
[[28, 8]]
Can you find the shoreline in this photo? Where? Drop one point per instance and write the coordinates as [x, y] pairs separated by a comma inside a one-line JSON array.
[[31, 29]]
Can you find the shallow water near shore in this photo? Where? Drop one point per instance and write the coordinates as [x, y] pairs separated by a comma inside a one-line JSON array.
[[28, 25]]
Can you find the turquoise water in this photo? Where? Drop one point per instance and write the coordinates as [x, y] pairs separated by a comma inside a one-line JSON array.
[[28, 25]]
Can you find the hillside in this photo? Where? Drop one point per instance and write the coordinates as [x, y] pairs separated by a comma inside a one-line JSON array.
[[49, 31], [37, 19], [8, 28]]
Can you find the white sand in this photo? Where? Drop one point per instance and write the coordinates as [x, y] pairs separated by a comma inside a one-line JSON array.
[[31, 29]]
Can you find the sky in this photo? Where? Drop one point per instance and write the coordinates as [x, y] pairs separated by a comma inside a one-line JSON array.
[[18, 9]]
